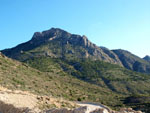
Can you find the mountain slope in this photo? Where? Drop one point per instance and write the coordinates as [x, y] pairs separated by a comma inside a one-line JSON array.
[[58, 43], [56, 82], [111, 77], [132, 62]]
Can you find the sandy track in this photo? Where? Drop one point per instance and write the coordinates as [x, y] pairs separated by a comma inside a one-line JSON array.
[[92, 107]]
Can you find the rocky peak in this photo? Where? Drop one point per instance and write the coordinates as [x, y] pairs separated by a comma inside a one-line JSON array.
[[37, 35], [61, 35], [58, 43], [147, 58], [86, 42], [50, 34]]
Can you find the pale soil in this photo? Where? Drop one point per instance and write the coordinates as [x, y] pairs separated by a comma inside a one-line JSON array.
[[19, 99], [24, 99]]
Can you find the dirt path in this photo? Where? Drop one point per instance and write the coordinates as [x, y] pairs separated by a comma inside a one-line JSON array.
[[92, 107], [24, 99]]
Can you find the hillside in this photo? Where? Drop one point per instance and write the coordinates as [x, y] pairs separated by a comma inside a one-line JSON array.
[[57, 83], [106, 75], [15, 75], [114, 78]]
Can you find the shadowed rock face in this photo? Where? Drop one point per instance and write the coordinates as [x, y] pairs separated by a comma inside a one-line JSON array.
[[111, 54], [59, 44], [132, 62]]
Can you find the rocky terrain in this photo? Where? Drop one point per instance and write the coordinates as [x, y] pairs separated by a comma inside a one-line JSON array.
[[30, 103]]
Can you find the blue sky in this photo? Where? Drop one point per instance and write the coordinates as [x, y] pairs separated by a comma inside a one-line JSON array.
[[115, 24]]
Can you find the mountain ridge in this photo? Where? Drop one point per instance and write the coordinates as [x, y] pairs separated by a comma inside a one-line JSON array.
[[58, 43], [67, 45]]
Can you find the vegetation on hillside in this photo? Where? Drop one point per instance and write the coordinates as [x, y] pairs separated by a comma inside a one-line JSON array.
[[57, 83], [112, 78]]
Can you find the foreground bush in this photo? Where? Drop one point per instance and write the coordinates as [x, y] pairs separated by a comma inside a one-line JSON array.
[[7, 108]]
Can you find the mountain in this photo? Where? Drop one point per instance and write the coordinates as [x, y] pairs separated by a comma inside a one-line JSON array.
[[57, 43], [77, 78], [147, 58], [132, 62]]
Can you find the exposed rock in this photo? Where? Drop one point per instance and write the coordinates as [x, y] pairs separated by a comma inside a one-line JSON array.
[[112, 55], [78, 110], [85, 110], [128, 110], [132, 62], [100, 111]]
